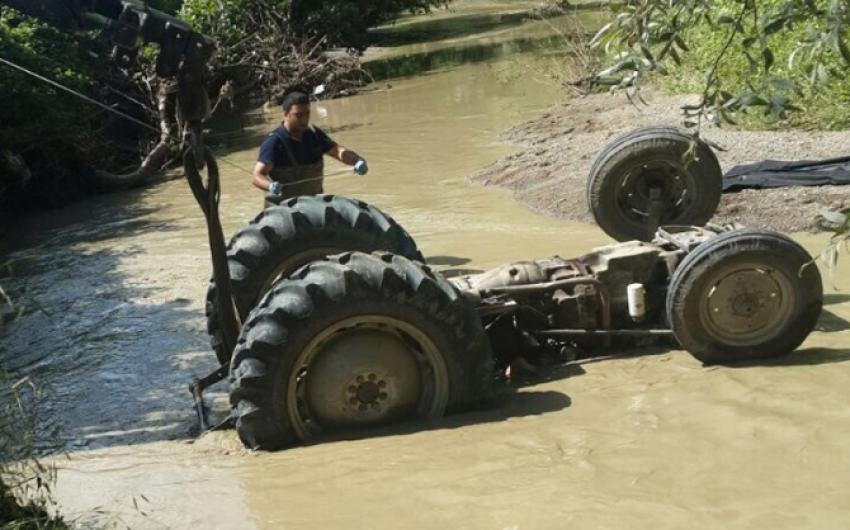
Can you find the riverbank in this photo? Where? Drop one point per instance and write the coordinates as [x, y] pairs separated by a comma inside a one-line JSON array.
[[549, 174]]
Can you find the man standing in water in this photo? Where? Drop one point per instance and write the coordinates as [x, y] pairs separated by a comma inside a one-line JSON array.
[[291, 158]]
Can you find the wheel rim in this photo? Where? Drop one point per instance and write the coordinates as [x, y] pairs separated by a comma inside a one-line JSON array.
[[290, 265], [746, 305], [675, 184], [365, 371]]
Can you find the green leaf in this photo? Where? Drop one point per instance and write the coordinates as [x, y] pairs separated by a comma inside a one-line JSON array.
[[599, 34], [843, 50], [767, 59], [783, 84], [749, 99], [775, 26]]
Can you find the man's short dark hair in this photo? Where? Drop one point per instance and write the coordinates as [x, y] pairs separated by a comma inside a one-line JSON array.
[[295, 98]]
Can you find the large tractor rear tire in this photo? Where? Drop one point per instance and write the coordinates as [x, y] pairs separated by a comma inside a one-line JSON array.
[[744, 295], [624, 175], [355, 341], [284, 238]]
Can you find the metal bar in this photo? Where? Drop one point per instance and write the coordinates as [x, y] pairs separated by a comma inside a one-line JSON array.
[[200, 408], [532, 288], [656, 206], [96, 20], [197, 389], [487, 310], [603, 332], [601, 289]]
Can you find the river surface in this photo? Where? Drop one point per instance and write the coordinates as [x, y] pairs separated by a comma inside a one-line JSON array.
[[621, 442]]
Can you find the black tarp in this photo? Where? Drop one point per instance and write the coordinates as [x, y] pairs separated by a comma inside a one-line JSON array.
[[778, 174]]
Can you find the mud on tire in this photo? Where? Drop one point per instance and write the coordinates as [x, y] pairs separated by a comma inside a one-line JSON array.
[[623, 173], [744, 295], [280, 351], [283, 238]]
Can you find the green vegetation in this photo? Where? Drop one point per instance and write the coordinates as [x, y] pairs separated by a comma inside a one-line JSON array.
[[818, 101], [338, 23], [780, 62], [44, 132], [50, 141], [25, 481], [270, 47]]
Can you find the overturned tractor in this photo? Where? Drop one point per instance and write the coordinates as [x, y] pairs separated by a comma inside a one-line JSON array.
[[345, 326], [325, 317]]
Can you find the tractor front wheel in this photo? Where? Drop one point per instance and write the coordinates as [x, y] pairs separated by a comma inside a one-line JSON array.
[[744, 295]]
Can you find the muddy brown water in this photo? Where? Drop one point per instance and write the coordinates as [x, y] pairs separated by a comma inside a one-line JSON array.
[[626, 441]]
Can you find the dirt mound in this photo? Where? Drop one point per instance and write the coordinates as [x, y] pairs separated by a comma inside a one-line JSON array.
[[550, 174]]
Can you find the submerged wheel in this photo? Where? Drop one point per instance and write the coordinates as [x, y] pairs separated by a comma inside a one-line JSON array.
[[744, 295], [640, 181], [354, 341], [284, 238]]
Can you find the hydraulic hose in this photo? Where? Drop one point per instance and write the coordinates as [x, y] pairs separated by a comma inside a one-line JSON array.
[[208, 199]]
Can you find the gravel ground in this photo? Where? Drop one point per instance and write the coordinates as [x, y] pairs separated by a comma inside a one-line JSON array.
[[550, 174]]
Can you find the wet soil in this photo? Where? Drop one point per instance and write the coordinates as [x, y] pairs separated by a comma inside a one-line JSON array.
[[550, 174]]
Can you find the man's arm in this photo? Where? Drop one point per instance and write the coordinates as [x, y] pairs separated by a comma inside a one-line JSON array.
[[343, 154], [260, 177], [265, 163]]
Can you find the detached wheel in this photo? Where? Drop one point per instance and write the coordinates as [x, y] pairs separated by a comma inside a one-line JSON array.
[[744, 295], [355, 341], [640, 182], [284, 238]]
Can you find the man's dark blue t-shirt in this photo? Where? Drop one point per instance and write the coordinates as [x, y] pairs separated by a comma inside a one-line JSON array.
[[313, 145]]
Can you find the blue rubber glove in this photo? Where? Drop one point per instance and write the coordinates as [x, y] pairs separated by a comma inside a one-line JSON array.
[[361, 168], [275, 188]]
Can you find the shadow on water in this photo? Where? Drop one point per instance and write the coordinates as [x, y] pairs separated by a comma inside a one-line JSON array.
[[444, 28], [453, 273], [802, 357], [829, 322], [513, 400], [95, 218], [114, 351], [835, 298], [508, 404], [557, 372], [418, 63], [446, 261], [431, 30]]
